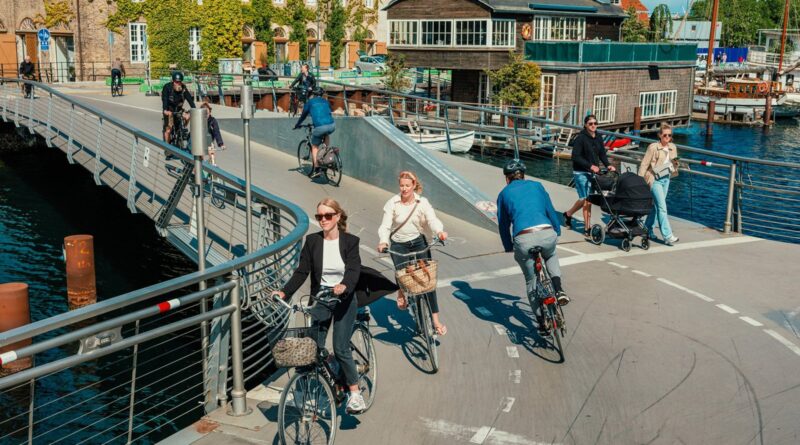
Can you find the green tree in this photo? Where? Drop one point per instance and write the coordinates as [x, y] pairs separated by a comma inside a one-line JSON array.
[[261, 14], [335, 17], [221, 33], [360, 17], [168, 24], [660, 23], [127, 11], [57, 13], [741, 19], [296, 15], [518, 83], [395, 78], [633, 30]]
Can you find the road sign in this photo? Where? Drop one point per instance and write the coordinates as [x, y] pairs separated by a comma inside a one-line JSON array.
[[44, 39]]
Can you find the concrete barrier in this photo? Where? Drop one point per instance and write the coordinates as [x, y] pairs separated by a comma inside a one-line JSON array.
[[374, 151]]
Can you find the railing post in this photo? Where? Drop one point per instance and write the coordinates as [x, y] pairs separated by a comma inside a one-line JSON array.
[[132, 176], [238, 394], [16, 110], [5, 102], [391, 110], [246, 100], [49, 118], [731, 190], [346, 106], [447, 130], [30, 111], [69, 136], [133, 385], [516, 139], [98, 155], [32, 391]]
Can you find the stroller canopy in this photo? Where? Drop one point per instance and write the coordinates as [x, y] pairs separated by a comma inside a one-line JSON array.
[[632, 186], [632, 197]]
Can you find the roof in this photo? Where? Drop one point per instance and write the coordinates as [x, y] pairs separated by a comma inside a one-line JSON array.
[[595, 8], [640, 8]]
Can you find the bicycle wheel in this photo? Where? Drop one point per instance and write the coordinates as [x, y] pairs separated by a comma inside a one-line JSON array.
[[428, 333], [293, 107], [366, 363], [555, 328], [334, 172], [304, 164], [307, 411]]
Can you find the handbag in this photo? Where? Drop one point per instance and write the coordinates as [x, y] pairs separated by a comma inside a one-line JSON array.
[[662, 171], [675, 165], [417, 277], [292, 351]]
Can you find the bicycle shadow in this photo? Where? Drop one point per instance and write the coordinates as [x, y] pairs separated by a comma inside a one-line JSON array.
[[509, 311], [344, 421], [399, 332]]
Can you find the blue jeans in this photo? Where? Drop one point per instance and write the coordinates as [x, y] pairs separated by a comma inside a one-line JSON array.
[[582, 184], [546, 239], [660, 188]]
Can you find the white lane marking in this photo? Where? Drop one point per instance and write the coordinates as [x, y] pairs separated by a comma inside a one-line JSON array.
[[512, 351], [727, 309], [119, 104], [750, 321], [515, 375], [567, 249], [671, 283], [639, 272], [508, 402], [458, 433], [793, 347], [500, 329], [621, 266], [482, 434], [699, 295], [483, 311], [602, 256]]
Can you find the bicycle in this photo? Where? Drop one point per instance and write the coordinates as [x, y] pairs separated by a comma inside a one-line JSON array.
[[179, 135], [327, 158], [417, 277], [295, 98], [116, 86], [307, 407], [552, 313]]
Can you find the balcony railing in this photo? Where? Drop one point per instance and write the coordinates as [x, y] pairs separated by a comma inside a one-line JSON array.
[[610, 52]]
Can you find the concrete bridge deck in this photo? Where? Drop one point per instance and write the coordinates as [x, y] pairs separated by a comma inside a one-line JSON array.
[[696, 343]]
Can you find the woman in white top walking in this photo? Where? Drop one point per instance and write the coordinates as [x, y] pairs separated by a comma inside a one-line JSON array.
[[406, 218]]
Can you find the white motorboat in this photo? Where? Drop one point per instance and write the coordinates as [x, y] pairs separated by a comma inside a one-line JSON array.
[[436, 139]]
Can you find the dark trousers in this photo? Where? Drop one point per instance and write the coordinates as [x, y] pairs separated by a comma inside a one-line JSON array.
[[343, 314], [414, 245]]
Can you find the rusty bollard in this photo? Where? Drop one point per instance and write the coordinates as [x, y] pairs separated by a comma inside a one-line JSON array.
[[79, 256], [15, 313]]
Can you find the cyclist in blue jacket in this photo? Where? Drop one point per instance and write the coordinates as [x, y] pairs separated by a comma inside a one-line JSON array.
[[322, 118], [524, 206]]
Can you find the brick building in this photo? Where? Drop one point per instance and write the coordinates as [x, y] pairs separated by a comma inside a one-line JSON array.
[[575, 42]]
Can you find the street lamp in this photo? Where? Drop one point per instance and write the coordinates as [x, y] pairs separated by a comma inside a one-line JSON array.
[[319, 37]]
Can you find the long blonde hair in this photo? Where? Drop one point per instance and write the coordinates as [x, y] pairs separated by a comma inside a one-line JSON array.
[[332, 203], [406, 174]]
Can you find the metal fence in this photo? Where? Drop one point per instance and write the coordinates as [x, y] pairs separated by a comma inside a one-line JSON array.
[[140, 366]]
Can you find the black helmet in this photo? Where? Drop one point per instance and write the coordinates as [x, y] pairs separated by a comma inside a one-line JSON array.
[[177, 76], [513, 166], [318, 91]]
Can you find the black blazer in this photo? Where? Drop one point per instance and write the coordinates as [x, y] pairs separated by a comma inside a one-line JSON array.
[[311, 262]]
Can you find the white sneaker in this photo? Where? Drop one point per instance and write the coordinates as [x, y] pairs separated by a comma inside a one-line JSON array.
[[355, 403], [671, 240]]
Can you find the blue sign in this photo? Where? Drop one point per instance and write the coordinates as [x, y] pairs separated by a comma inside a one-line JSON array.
[[44, 39]]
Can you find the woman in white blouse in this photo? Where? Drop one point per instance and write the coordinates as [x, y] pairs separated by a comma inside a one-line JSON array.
[[407, 217]]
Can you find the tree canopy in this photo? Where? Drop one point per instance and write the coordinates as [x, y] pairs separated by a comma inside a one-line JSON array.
[[633, 30], [518, 83], [741, 19]]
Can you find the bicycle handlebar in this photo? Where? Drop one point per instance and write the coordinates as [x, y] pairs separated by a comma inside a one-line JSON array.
[[436, 242], [322, 294]]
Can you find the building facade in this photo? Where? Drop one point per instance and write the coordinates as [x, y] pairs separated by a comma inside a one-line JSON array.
[[575, 42]]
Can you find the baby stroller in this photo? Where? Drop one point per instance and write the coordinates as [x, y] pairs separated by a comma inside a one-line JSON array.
[[627, 197]]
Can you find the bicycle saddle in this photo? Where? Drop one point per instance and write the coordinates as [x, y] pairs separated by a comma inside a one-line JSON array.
[[535, 251]]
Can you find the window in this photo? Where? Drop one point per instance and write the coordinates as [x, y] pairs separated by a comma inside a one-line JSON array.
[[471, 32], [559, 28], [436, 32], [137, 42], [503, 32], [194, 44], [403, 32], [615, 2], [311, 2], [605, 108], [369, 3], [278, 2], [547, 98], [658, 103]]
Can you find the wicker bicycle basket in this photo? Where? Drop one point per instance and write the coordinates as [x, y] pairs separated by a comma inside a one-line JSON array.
[[298, 347], [417, 277]]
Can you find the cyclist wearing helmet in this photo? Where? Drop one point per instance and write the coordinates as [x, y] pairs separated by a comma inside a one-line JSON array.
[[173, 95], [526, 219], [321, 117]]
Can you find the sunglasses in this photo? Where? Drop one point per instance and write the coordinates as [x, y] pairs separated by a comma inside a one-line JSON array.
[[668, 135], [325, 216], [591, 123]]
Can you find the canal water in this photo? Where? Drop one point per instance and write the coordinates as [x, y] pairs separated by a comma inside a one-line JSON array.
[[693, 197], [42, 200]]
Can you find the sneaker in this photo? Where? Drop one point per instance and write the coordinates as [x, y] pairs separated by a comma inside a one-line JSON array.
[[671, 240], [562, 297], [567, 220], [316, 173], [355, 403]]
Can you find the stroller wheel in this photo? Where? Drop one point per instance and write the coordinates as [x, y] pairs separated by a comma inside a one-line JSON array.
[[598, 234], [626, 244], [645, 243]]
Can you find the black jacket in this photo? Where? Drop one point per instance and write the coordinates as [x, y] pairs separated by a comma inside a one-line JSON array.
[[306, 84], [311, 262], [588, 151], [372, 285], [171, 100], [27, 69]]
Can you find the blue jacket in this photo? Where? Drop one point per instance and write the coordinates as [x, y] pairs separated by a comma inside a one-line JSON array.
[[320, 111], [524, 204]]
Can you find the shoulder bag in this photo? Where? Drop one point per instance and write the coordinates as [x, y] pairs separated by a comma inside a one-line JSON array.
[[404, 221]]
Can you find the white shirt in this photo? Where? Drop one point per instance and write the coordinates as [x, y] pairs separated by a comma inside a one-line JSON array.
[[332, 263], [395, 212]]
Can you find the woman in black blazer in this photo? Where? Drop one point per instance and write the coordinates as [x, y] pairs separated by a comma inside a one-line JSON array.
[[331, 257]]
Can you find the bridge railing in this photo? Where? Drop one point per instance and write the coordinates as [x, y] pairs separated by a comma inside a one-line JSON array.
[[142, 365]]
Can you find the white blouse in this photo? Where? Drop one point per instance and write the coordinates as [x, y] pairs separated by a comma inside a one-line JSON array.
[[395, 212], [332, 263]]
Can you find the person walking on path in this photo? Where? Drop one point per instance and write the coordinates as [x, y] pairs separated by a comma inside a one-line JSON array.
[[407, 216], [657, 168], [27, 71], [587, 154], [214, 132]]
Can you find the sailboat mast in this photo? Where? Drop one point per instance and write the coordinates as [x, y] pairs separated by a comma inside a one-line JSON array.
[[710, 59], [783, 35]]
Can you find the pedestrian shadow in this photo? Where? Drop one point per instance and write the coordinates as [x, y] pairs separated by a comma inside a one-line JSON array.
[[400, 331], [511, 312]]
